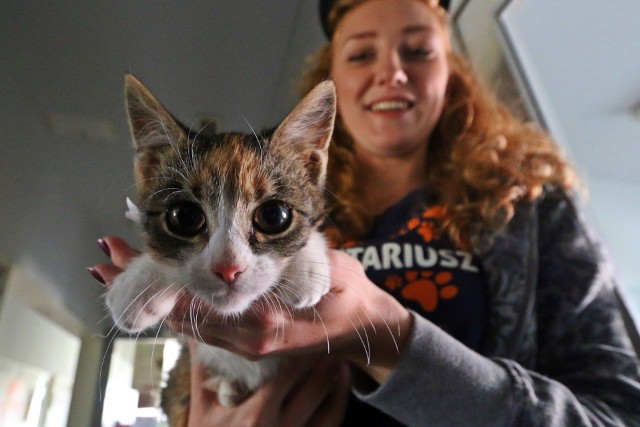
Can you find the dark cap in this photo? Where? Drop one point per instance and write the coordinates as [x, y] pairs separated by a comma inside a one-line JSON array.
[[325, 8]]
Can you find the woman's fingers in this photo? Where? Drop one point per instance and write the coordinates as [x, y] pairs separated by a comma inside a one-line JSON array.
[[118, 250], [202, 400], [313, 394], [282, 385], [105, 273], [121, 255], [332, 410]]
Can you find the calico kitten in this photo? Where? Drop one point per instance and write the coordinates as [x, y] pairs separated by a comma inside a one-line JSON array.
[[229, 219]]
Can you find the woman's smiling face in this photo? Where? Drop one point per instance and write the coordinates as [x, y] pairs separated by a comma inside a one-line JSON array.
[[389, 64]]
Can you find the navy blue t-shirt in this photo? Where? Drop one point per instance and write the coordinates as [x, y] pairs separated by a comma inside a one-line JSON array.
[[408, 255]]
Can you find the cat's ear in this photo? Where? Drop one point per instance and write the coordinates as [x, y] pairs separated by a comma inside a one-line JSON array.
[[153, 130], [151, 124], [307, 130]]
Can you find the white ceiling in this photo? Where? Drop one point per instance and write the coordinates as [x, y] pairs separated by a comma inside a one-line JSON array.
[[66, 157]]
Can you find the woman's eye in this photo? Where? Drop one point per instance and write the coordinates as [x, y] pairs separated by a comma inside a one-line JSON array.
[[185, 219], [361, 57], [272, 217], [417, 53]]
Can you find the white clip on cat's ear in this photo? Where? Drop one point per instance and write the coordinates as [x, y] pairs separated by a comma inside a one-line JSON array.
[[133, 213]]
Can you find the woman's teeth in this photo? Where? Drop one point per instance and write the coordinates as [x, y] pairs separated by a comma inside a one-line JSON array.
[[390, 106]]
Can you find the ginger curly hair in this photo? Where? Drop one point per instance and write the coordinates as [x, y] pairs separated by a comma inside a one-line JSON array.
[[481, 159]]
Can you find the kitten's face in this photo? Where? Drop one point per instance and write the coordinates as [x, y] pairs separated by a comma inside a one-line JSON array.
[[229, 212]]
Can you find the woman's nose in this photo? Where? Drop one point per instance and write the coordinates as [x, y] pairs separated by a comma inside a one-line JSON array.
[[391, 71]]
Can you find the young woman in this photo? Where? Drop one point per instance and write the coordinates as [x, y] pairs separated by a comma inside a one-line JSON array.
[[486, 300]]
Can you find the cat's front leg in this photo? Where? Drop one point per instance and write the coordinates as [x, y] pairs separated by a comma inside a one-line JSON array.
[[307, 279], [141, 295]]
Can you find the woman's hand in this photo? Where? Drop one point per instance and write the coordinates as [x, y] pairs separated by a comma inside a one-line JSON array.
[[314, 391], [121, 255], [356, 320]]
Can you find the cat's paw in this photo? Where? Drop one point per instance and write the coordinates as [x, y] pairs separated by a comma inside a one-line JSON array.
[[140, 296], [316, 283], [309, 276]]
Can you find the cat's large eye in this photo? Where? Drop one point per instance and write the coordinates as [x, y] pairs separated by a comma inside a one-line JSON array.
[[185, 219], [272, 217]]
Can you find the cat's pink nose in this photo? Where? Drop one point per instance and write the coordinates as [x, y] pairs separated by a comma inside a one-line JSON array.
[[228, 273]]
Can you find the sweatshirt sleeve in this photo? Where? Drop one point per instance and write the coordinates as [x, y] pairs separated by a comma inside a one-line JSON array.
[[438, 381], [587, 372]]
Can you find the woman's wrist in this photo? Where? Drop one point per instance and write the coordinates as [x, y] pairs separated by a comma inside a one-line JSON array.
[[385, 345]]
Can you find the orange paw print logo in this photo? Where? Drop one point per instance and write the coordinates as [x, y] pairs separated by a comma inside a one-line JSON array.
[[393, 282], [428, 290], [429, 231], [435, 212], [427, 225]]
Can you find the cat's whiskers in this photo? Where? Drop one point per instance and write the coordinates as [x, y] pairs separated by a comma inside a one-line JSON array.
[[153, 350], [182, 322], [260, 142], [326, 332], [149, 131], [195, 323], [193, 320], [160, 326], [114, 334], [282, 305], [208, 313], [191, 153], [282, 302], [193, 317], [274, 312], [287, 306], [384, 320], [325, 214], [264, 303], [191, 143], [152, 299], [201, 129], [334, 195], [108, 316], [104, 318], [366, 335], [294, 288], [174, 193], [136, 185], [366, 351], [173, 144], [365, 341], [126, 310], [365, 312], [182, 175], [288, 289], [173, 189]]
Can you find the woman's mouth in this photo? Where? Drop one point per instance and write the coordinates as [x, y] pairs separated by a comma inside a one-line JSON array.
[[390, 105]]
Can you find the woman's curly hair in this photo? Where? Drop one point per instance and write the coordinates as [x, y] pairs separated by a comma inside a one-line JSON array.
[[481, 159]]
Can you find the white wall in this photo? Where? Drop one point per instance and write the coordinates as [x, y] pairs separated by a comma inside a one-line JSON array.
[[30, 339]]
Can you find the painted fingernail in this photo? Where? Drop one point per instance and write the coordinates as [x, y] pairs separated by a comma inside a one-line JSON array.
[[96, 275], [104, 247]]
